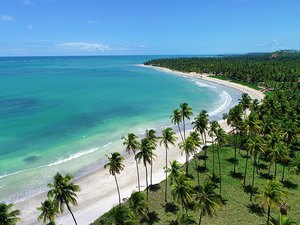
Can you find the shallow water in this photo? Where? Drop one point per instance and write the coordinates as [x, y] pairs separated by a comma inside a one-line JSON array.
[[65, 113]]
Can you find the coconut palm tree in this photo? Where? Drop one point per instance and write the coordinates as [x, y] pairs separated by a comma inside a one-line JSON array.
[[7, 215], [245, 102], [151, 135], [272, 140], [276, 154], [176, 118], [146, 155], [221, 140], [214, 126], [197, 142], [181, 191], [234, 119], [115, 165], [254, 145], [120, 215], [186, 112], [138, 204], [188, 147], [251, 124], [168, 138], [272, 195], [207, 200], [295, 164], [284, 220], [63, 192], [174, 170], [185, 219], [201, 125], [48, 211], [132, 145]]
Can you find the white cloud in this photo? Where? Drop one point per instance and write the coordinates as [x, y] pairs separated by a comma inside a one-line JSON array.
[[30, 26], [7, 18], [85, 46], [141, 46]]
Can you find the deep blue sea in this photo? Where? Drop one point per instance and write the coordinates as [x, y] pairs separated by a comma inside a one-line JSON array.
[[65, 113]]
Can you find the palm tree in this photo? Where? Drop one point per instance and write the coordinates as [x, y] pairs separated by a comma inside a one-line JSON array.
[[245, 102], [255, 145], [176, 118], [138, 204], [295, 164], [146, 155], [200, 125], [120, 215], [132, 145], [251, 124], [234, 119], [186, 112], [284, 220], [197, 142], [221, 140], [63, 192], [276, 154], [214, 126], [168, 137], [207, 200], [151, 135], [273, 139], [181, 191], [174, 170], [188, 147], [272, 195], [7, 215], [48, 211], [185, 219], [115, 165]]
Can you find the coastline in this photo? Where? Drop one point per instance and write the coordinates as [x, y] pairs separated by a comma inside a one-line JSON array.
[[98, 192]]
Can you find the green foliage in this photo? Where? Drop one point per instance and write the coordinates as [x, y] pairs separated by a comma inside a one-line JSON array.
[[7, 215]]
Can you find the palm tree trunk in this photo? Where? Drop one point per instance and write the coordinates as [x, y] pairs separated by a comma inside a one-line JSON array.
[[186, 163], [253, 172], [282, 177], [246, 167], [220, 176], [213, 164], [235, 145], [166, 171], [200, 217], [180, 131], [205, 137], [269, 212], [275, 169], [69, 209], [118, 188], [147, 181], [151, 166], [137, 171], [183, 128], [196, 168]]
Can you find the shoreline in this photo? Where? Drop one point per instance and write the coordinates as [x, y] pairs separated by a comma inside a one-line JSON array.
[[98, 192]]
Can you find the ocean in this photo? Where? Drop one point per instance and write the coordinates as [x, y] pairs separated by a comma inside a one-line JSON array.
[[65, 113]]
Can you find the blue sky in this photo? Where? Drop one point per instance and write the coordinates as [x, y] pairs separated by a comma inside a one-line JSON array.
[[128, 27]]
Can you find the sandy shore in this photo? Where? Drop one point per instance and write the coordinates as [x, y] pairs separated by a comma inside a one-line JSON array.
[[98, 191]]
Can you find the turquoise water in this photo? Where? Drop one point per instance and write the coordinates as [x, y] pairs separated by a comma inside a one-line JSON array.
[[64, 113]]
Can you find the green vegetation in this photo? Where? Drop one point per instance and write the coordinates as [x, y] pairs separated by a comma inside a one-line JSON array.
[[250, 85], [281, 68], [258, 165]]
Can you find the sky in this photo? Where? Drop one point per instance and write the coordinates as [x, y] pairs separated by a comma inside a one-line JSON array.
[[152, 27]]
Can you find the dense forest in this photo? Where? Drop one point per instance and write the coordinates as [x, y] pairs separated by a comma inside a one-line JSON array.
[[265, 69]]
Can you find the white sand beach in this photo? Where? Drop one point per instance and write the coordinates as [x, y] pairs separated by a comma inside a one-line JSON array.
[[98, 190]]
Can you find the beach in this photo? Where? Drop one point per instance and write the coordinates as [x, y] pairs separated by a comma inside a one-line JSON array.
[[98, 190]]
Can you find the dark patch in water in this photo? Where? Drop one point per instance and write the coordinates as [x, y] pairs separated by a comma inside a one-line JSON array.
[[17, 105], [31, 159]]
